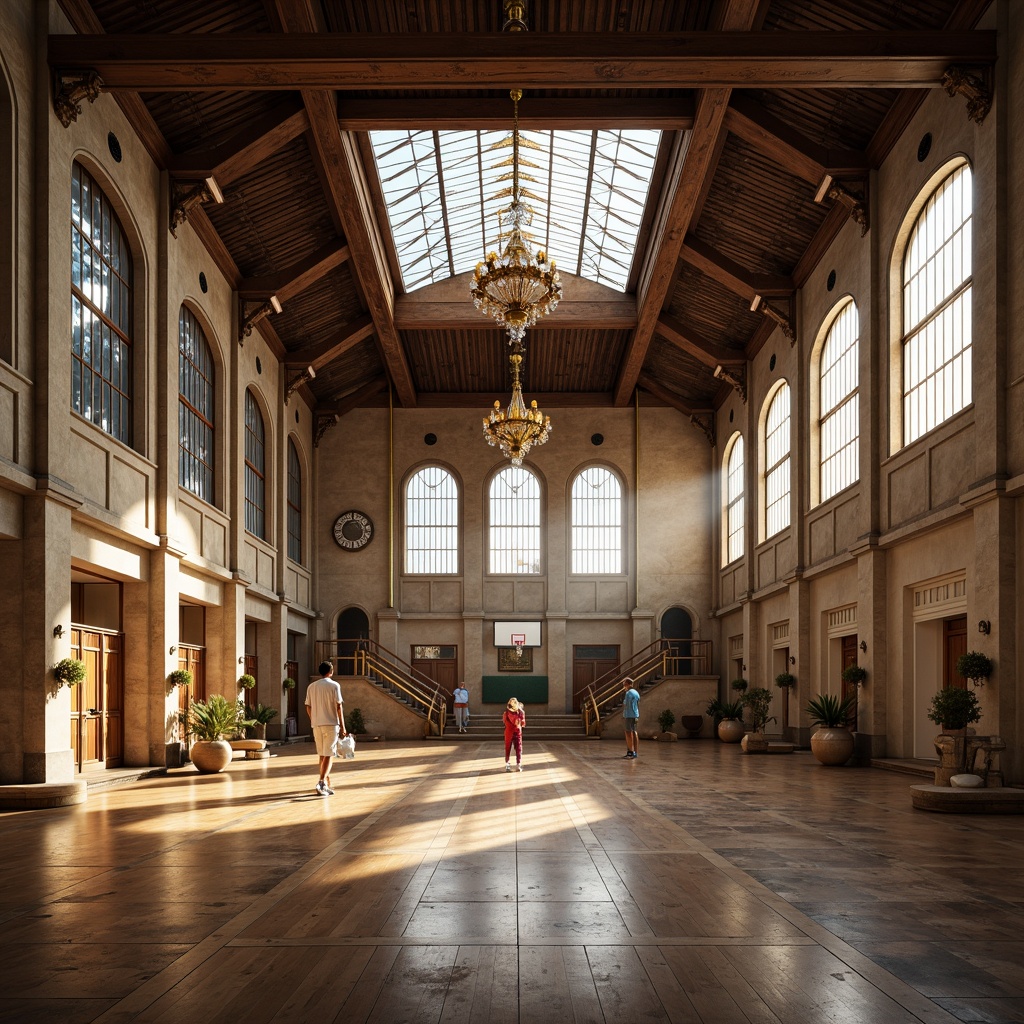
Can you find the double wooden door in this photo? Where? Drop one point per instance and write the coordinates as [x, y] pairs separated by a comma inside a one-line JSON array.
[[590, 662], [97, 703]]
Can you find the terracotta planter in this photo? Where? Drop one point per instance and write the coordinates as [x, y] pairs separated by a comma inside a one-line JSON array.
[[730, 730], [754, 743], [832, 746], [210, 756]]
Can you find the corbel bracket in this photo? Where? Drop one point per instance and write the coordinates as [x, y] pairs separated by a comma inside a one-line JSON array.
[[251, 313], [188, 194], [855, 203], [324, 422], [296, 382], [70, 90], [705, 423], [734, 375], [975, 84], [759, 305]]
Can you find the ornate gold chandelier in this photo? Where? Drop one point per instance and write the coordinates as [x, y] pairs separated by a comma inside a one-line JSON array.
[[515, 287], [518, 429]]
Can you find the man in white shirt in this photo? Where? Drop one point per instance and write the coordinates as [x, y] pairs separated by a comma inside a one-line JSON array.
[[323, 704], [460, 698]]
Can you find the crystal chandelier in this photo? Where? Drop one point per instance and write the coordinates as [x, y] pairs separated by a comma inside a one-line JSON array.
[[518, 429], [515, 287]]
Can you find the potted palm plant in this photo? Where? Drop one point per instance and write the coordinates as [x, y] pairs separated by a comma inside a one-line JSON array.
[[209, 722], [261, 715], [728, 719], [832, 743]]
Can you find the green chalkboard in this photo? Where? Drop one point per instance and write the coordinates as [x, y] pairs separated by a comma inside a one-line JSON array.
[[528, 689]]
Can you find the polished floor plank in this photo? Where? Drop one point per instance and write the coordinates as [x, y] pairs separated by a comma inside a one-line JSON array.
[[695, 885]]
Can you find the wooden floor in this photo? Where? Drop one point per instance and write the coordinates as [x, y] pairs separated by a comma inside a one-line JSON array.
[[695, 884]]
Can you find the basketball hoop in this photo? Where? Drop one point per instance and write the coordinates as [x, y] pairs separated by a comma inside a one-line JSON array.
[[518, 641]]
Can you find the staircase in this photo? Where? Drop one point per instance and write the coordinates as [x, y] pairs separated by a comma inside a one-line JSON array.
[[538, 727]]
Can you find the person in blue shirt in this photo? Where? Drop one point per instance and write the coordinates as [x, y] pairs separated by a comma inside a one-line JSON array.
[[630, 715]]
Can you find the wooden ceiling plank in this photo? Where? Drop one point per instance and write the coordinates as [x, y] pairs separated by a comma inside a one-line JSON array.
[[229, 160], [786, 146], [730, 274], [690, 342], [325, 352], [309, 60], [288, 283], [468, 114], [666, 395], [354, 399], [545, 400], [412, 315]]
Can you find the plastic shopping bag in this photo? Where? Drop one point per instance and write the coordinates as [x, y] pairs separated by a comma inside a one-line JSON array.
[[347, 747]]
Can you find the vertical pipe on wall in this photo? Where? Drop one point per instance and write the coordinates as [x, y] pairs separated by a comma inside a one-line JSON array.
[[391, 496], [636, 498]]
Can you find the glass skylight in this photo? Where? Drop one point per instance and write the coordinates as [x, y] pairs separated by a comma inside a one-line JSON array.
[[588, 192]]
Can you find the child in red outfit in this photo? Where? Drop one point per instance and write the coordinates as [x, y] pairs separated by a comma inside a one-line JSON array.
[[514, 719]]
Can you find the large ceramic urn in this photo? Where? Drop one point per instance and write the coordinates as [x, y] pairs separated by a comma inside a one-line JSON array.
[[730, 730], [210, 756], [832, 746]]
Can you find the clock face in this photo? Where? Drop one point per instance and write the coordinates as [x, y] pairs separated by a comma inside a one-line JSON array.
[[353, 530]]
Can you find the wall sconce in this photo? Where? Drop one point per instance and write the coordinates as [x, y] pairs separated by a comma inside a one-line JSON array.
[[241, 659], [792, 660], [985, 627], [863, 645], [58, 631], [743, 668], [172, 649]]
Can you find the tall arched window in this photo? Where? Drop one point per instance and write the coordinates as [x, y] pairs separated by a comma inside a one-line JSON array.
[[255, 469], [937, 336], [514, 521], [294, 503], [839, 404], [432, 522], [596, 522], [776, 463], [101, 310], [195, 408], [733, 512]]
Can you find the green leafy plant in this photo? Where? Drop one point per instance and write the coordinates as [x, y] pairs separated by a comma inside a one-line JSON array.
[[246, 682], [974, 666], [288, 684], [666, 720], [355, 721], [784, 680], [731, 710], [829, 711], [180, 677], [854, 674], [739, 684], [263, 713], [955, 707], [759, 701], [215, 718], [69, 671]]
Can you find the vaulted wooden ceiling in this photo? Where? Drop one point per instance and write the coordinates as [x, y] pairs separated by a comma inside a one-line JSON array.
[[773, 111]]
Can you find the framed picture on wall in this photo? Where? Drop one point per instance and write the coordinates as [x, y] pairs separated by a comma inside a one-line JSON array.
[[508, 662]]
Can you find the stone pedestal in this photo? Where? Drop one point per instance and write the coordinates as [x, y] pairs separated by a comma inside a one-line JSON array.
[[982, 757]]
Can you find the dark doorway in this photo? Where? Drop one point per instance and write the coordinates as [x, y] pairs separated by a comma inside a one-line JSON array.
[[954, 636], [677, 628], [353, 626], [849, 657]]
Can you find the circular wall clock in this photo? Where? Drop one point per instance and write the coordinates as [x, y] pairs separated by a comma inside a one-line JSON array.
[[353, 530]]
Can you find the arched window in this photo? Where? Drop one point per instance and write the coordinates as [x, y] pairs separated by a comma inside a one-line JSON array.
[[255, 469], [839, 404], [101, 310], [937, 332], [776, 463], [294, 503], [733, 513], [596, 522], [514, 521], [195, 408], [432, 522]]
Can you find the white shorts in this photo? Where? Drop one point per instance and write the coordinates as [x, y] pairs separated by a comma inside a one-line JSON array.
[[325, 737]]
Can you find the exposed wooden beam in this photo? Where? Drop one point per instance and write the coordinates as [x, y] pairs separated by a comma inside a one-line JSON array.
[[690, 342], [730, 274], [786, 146], [234, 157], [702, 419], [545, 400], [324, 352], [215, 62], [287, 283], [469, 113], [354, 399], [820, 243], [412, 314], [336, 158]]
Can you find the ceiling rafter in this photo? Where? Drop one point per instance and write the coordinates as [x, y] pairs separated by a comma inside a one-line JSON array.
[[229, 160], [729, 273], [324, 352], [677, 60], [692, 343], [288, 283], [353, 399]]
